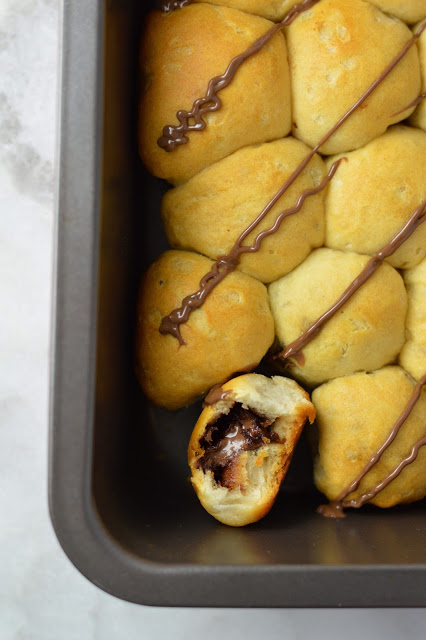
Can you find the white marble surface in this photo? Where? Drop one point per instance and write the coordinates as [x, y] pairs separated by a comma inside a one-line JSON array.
[[42, 597]]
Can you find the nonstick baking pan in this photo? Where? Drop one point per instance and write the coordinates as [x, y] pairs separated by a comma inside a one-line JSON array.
[[120, 500]]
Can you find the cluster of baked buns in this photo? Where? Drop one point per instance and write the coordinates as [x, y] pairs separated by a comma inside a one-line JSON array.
[[258, 126]]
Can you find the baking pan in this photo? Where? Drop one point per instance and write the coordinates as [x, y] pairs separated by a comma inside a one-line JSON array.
[[120, 500]]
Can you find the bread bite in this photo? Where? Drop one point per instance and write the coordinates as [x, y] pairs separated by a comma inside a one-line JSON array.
[[181, 52], [366, 333], [354, 417], [413, 353], [242, 445], [230, 333], [418, 118], [375, 192], [210, 211], [332, 64]]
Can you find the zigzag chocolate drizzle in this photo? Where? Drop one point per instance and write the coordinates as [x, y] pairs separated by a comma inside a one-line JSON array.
[[227, 263], [415, 102], [174, 136], [170, 324], [335, 508]]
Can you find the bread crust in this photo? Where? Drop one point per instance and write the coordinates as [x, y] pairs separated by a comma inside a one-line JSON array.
[[330, 52], [413, 353], [354, 417], [362, 215], [210, 211], [366, 333], [254, 477], [230, 333], [181, 52]]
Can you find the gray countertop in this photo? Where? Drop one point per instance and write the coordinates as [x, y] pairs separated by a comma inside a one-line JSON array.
[[42, 596]]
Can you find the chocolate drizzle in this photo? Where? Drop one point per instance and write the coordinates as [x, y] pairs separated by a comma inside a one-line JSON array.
[[412, 104], [216, 394], [171, 323], [335, 508], [167, 6], [227, 263], [174, 136], [293, 350]]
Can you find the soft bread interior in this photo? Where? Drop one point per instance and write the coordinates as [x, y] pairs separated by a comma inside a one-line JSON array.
[[251, 482]]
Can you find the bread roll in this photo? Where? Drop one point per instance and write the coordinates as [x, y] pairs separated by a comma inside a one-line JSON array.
[[274, 10], [408, 10], [375, 192], [413, 354], [210, 211], [366, 333], [242, 445], [354, 416], [336, 50], [418, 118], [181, 52], [230, 333]]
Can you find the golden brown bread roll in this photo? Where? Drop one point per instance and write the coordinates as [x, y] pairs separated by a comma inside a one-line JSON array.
[[271, 9], [418, 118], [210, 211], [230, 333], [181, 52], [366, 333], [375, 192], [354, 416], [407, 10], [336, 50], [242, 445], [413, 354]]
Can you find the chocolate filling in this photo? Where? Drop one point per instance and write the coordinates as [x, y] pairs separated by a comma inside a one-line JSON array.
[[240, 430]]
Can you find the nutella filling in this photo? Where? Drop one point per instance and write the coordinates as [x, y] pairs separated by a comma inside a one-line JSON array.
[[240, 430]]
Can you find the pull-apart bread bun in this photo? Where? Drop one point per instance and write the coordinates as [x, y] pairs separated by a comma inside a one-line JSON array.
[[418, 119], [230, 333], [355, 415], [375, 193], [271, 9], [336, 50], [242, 445], [181, 52], [210, 211], [366, 333], [413, 354], [407, 10]]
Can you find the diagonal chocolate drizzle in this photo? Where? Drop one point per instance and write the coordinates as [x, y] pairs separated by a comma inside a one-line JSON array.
[[175, 135], [227, 263], [335, 508], [293, 350], [415, 102], [167, 6], [170, 324]]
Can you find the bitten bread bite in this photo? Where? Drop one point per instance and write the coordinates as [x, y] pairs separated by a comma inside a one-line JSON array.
[[418, 118], [210, 211], [271, 9], [181, 52], [242, 445], [230, 333], [354, 416], [374, 194], [366, 333], [336, 50], [413, 354]]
